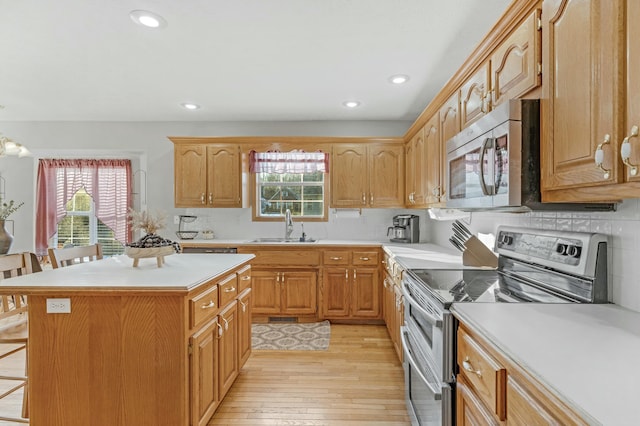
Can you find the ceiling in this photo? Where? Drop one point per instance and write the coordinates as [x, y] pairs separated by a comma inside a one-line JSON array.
[[240, 60]]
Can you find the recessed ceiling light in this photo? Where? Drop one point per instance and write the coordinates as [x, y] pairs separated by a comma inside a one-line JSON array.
[[147, 19], [351, 104], [399, 79], [190, 106]]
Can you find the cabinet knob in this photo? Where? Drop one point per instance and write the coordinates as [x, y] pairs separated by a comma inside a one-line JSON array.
[[599, 156], [625, 151]]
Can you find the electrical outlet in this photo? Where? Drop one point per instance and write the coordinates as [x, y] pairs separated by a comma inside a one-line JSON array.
[[59, 306], [176, 220]]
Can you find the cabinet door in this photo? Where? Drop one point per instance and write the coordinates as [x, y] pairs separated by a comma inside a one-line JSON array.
[[335, 293], [203, 372], [244, 327], [389, 307], [410, 172], [349, 185], [515, 64], [223, 176], [633, 86], [190, 175], [582, 79], [299, 293], [469, 409], [433, 162], [365, 293], [228, 348], [398, 305], [417, 168], [386, 175], [449, 119], [473, 95], [266, 292]]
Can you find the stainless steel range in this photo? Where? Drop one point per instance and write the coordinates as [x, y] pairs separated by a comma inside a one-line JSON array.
[[534, 266]]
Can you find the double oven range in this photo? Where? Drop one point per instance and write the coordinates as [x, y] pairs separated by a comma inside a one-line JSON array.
[[534, 266]]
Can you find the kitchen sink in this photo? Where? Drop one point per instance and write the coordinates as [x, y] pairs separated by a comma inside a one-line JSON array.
[[281, 240]]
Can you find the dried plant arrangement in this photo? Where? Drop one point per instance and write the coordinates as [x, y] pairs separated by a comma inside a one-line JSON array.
[[150, 223]]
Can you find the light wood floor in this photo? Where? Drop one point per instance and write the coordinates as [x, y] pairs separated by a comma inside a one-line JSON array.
[[357, 381]]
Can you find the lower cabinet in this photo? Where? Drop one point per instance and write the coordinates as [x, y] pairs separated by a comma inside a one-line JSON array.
[[220, 343], [491, 389], [204, 373], [352, 293], [284, 293]]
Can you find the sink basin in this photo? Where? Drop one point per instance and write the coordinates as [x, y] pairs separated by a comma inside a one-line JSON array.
[[281, 240]]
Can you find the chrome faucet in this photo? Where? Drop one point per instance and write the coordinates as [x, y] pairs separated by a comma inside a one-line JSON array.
[[288, 224]]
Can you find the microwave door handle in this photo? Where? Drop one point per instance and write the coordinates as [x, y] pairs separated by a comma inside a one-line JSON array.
[[483, 152], [414, 305]]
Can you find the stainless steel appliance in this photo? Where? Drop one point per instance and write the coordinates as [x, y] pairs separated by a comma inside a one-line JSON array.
[[495, 162], [534, 266], [405, 229]]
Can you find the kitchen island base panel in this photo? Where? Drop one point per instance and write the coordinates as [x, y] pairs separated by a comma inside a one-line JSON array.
[[134, 349]]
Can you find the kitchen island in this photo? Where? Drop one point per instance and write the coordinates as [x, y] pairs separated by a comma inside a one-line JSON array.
[[110, 344]]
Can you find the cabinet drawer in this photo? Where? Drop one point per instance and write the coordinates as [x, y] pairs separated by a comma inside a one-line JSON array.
[[203, 306], [483, 372], [244, 278], [369, 258], [228, 289], [285, 257], [336, 257]]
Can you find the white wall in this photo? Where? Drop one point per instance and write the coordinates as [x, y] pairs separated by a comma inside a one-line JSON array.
[[622, 226]]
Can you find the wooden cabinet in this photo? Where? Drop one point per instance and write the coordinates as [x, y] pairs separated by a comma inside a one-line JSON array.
[[393, 311], [632, 117], [473, 96], [516, 64], [244, 327], [207, 175], [583, 92], [205, 397], [351, 287], [491, 389], [288, 293], [434, 163], [227, 348], [367, 175], [416, 170], [449, 119]]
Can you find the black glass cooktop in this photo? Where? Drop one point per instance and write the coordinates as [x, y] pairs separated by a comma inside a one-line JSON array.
[[479, 285]]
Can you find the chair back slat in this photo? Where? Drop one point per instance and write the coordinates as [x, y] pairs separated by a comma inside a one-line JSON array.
[[73, 255], [13, 265]]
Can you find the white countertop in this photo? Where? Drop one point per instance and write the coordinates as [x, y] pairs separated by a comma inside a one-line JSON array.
[[586, 354], [181, 272]]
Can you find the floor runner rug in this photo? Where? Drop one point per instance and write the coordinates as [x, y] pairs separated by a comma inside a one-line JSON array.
[[312, 336]]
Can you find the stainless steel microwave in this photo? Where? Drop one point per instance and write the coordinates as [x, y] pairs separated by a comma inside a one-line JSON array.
[[495, 163]]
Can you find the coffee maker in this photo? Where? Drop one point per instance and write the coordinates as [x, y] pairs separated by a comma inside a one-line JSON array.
[[405, 229]]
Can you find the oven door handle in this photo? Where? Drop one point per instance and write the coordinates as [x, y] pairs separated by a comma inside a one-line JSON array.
[[436, 322], [412, 361]]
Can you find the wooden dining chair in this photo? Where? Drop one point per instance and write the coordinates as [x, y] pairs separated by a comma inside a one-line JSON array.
[[61, 257], [14, 331]]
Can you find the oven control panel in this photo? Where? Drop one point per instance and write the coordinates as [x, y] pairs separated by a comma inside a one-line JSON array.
[[555, 249]]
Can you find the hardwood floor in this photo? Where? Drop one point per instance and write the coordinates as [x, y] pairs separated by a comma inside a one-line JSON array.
[[11, 405], [357, 381]]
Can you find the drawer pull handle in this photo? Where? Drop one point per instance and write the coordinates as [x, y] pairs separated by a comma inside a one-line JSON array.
[[246, 278], [229, 290], [335, 258], [364, 259], [468, 367], [226, 324], [244, 306], [202, 198], [209, 305], [220, 332], [625, 151]]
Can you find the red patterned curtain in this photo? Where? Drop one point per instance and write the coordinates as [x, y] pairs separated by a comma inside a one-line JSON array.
[[288, 162], [108, 182]]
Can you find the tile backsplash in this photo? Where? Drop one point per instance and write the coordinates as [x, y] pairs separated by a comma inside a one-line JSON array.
[[622, 227]]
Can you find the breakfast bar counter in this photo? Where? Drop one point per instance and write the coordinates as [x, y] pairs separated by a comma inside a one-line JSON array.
[[110, 344]]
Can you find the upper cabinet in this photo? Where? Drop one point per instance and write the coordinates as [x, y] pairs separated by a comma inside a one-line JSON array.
[[434, 162], [207, 175], [367, 175], [512, 71], [589, 146], [416, 169]]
